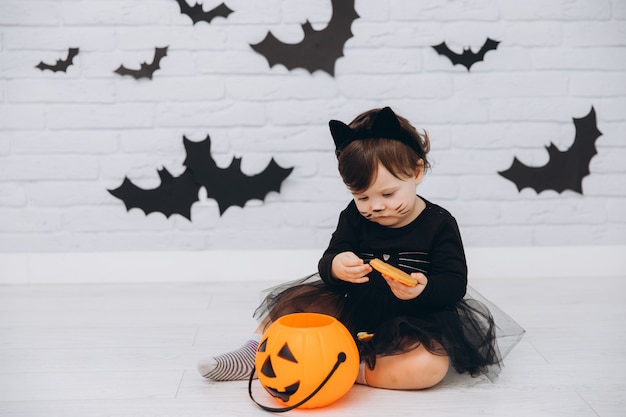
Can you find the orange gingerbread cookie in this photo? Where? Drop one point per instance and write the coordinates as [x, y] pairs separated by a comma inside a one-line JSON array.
[[393, 272]]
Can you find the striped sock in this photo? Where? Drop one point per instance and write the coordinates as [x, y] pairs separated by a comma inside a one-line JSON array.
[[231, 366]]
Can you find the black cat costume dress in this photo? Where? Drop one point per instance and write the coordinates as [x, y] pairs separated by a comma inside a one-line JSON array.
[[447, 318]]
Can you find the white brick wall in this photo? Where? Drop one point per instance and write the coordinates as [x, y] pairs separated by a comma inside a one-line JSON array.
[[65, 138]]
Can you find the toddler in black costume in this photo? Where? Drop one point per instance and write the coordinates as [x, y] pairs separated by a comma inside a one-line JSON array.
[[418, 331]]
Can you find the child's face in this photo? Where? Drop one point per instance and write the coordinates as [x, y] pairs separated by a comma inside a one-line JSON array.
[[390, 201]]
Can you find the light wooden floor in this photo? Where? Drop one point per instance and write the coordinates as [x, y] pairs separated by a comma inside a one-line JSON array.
[[131, 350]]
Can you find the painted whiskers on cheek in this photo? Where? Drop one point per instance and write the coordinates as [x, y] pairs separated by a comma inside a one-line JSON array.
[[402, 209], [366, 214]]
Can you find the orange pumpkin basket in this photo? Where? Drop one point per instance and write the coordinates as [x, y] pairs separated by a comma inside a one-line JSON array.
[[306, 360]]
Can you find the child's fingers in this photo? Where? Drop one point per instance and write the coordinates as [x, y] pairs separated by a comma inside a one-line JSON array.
[[400, 290], [359, 280], [352, 260], [359, 273], [421, 278]]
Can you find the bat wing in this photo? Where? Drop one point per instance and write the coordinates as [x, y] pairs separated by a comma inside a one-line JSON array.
[[489, 45], [467, 58], [197, 13], [60, 65], [443, 49], [564, 170], [146, 70], [174, 195], [318, 50], [229, 186]]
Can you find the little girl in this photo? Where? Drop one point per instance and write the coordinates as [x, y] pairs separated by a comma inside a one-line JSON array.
[[413, 333]]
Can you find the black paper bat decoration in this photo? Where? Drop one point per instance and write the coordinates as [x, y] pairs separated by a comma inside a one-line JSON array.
[[565, 170], [173, 195], [318, 49], [146, 70], [60, 65], [228, 186], [467, 58], [197, 13]]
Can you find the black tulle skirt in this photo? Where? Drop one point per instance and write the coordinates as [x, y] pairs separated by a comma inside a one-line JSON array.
[[474, 333]]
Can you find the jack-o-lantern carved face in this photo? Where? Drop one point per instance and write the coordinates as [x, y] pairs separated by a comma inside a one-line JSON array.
[[298, 351], [268, 370]]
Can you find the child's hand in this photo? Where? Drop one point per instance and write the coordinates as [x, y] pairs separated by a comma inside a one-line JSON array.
[[404, 292], [348, 267]]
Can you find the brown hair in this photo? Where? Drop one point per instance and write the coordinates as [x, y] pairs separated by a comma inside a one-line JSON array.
[[358, 161]]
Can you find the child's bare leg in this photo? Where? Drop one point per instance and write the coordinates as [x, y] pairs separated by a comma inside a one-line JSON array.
[[417, 369]]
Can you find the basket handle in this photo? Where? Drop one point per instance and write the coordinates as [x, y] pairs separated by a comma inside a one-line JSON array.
[[341, 357]]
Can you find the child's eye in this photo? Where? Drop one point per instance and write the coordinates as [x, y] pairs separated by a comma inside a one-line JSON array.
[[362, 198], [387, 194]]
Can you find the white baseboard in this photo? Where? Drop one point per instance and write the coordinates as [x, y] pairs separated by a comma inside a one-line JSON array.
[[283, 265]]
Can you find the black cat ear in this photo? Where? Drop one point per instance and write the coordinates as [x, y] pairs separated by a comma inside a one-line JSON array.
[[386, 124], [341, 133]]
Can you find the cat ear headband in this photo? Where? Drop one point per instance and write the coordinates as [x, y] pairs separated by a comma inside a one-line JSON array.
[[385, 125]]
